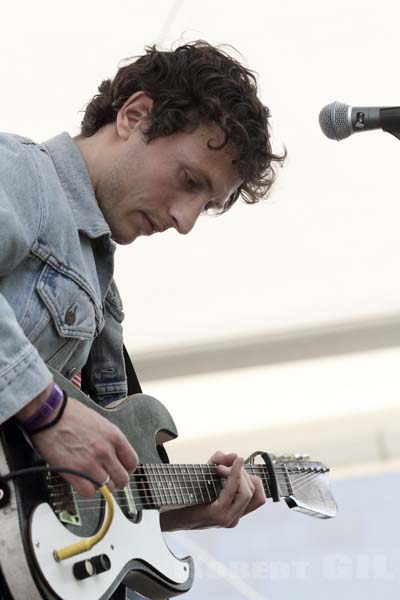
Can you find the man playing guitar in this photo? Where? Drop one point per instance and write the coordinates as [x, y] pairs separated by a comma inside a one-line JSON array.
[[171, 136]]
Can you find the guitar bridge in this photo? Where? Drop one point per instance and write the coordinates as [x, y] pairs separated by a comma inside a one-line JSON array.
[[62, 500]]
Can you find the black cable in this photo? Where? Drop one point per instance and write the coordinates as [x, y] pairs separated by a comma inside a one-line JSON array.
[[30, 470]]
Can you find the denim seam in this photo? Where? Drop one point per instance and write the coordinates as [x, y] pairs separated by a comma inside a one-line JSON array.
[[14, 366], [40, 190]]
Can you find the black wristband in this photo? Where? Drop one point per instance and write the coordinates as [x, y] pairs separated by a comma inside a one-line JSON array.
[[56, 418]]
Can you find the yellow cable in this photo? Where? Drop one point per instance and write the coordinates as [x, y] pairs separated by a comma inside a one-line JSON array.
[[87, 544]]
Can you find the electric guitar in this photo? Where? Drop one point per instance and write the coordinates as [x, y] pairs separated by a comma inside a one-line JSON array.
[[44, 513]]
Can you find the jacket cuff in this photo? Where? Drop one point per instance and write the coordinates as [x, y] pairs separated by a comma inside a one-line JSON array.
[[20, 384]]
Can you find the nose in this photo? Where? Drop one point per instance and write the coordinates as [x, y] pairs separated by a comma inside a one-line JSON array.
[[185, 214]]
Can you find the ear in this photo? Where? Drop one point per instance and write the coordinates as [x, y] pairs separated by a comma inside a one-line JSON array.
[[133, 114]]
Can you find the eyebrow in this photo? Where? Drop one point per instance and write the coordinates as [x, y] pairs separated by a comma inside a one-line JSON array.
[[217, 205]]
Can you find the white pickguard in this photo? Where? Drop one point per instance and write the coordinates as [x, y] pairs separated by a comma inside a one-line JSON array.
[[124, 541]]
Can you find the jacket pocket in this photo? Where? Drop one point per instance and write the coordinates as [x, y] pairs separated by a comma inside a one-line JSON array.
[[70, 307]]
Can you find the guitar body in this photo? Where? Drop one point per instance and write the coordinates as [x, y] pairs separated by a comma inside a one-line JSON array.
[[134, 544]]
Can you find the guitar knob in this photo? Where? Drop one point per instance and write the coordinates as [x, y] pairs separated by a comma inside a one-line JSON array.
[[91, 566], [101, 563], [83, 569]]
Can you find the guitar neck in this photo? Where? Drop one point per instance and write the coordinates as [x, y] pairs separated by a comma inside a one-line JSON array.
[[172, 485]]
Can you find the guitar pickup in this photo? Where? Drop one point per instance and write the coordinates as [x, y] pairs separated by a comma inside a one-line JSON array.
[[130, 510]]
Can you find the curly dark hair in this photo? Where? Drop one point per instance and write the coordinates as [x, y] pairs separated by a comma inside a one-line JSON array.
[[196, 84]]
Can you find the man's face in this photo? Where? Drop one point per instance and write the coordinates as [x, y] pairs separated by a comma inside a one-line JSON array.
[[151, 187]]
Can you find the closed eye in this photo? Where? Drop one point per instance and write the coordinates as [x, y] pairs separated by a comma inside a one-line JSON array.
[[191, 183]]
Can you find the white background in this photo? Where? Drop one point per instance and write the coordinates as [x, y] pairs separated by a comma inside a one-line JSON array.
[[324, 247]]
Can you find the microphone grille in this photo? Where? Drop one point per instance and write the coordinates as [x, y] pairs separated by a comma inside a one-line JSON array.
[[335, 122]]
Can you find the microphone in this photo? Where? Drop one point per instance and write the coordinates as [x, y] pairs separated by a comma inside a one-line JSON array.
[[338, 121]]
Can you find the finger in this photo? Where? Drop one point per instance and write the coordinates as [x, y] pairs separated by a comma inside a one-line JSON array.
[[240, 503], [233, 478], [259, 498], [83, 486], [108, 482], [220, 458], [126, 454], [118, 474]]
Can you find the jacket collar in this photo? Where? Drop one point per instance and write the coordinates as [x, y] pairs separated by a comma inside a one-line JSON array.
[[74, 178]]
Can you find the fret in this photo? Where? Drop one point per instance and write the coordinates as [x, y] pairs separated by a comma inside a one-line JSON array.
[[180, 484], [175, 488], [149, 491], [188, 484], [192, 478], [161, 486], [167, 484], [261, 472], [180, 499], [172, 485], [184, 477], [286, 481], [155, 486], [214, 489], [196, 470], [207, 481]]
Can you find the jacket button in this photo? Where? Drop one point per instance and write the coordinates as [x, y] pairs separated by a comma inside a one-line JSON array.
[[70, 316]]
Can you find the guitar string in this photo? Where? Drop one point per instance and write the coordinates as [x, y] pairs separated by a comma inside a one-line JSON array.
[[149, 486], [174, 478], [300, 485], [155, 472], [165, 471], [186, 490], [179, 484], [203, 469], [92, 503], [86, 505], [163, 479]]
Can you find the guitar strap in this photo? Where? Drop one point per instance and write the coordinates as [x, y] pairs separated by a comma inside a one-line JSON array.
[[131, 377]]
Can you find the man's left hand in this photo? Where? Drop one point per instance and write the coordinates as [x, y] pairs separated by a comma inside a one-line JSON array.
[[241, 494]]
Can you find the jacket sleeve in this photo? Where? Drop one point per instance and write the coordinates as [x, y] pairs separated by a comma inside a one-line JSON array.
[[23, 374]]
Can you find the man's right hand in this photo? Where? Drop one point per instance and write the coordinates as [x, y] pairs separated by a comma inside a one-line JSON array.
[[86, 441]]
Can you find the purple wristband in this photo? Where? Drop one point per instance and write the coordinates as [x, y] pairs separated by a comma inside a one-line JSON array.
[[44, 411]]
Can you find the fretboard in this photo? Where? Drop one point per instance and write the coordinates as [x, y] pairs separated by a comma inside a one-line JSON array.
[[165, 485], [162, 484]]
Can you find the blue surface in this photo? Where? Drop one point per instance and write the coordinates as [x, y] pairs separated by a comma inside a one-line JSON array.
[[280, 554]]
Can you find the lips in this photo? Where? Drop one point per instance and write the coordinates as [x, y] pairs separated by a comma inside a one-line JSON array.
[[148, 225]]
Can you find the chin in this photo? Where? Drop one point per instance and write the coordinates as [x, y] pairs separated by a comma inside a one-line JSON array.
[[122, 240]]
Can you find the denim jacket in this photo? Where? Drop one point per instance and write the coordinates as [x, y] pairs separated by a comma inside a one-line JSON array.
[[58, 299]]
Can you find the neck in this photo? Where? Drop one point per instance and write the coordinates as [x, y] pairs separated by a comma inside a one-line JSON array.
[[94, 151], [161, 485]]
